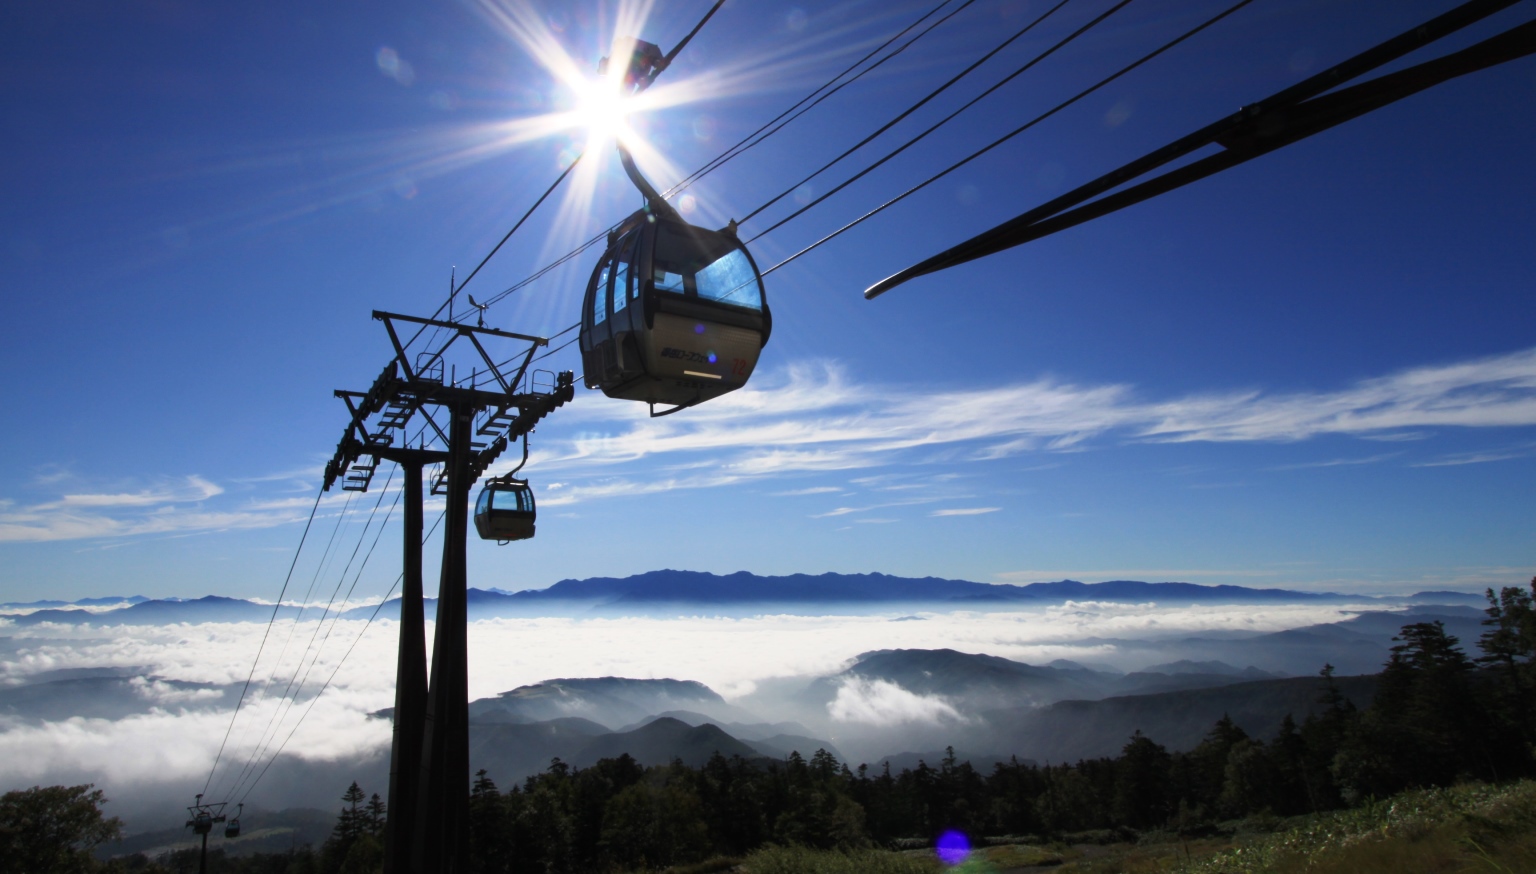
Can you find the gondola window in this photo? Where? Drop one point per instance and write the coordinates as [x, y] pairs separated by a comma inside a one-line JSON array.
[[731, 280]]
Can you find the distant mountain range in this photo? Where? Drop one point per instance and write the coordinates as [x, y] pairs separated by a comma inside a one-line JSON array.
[[665, 591], [110, 601], [212, 608]]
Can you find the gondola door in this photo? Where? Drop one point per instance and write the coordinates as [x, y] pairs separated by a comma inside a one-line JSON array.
[[626, 316], [597, 333]]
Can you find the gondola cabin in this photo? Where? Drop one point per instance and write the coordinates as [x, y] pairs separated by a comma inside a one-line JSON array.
[[674, 314], [505, 511]]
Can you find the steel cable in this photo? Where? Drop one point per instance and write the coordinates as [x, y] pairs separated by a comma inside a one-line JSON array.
[[366, 625], [1064, 41], [270, 621], [909, 110], [311, 651], [748, 142], [303, 603], [1011, 134]]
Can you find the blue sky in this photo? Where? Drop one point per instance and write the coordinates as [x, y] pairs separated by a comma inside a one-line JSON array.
[[1317, 370]]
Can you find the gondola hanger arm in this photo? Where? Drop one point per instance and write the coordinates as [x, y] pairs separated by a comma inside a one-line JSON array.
[[644, 64]]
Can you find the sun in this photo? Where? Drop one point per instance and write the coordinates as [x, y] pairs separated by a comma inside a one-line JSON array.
[[601, 109]]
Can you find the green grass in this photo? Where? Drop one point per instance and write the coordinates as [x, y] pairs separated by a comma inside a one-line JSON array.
[[1019, 856], [799, 860], [1471, 828], [710, 866]]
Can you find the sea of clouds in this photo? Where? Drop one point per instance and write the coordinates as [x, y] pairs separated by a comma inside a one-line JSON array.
[[167, 750]]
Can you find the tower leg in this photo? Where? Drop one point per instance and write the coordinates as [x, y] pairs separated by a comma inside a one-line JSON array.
[[410, 691], [442, 835]]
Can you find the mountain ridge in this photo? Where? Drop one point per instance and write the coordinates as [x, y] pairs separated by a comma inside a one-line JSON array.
[[667, 590]]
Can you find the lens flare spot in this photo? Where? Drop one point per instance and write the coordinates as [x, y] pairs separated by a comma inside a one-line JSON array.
[[712, 358], [687, 204], [391, 65], [698, 328], [953, 847]]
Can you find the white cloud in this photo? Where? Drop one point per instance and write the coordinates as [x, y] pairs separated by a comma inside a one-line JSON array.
[[815, 419], [174, 742], [811, 418], [177, 509], [162, 693], [1339, 462], [965, 511], [1481, 457], [1499, 391], [883, 703]]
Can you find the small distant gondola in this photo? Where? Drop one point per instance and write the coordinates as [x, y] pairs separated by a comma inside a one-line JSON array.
[[201, 822], [505, 510]]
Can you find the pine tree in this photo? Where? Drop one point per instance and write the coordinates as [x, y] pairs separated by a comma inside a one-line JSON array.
[[351, 825], [376, 814], [1141, 783], [1509, 647], [1209, 761]]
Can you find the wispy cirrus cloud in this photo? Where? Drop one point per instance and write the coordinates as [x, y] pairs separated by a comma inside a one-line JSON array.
[[965, 511], [1525, 451], [192, 490], [811, 417], [170, 508], [1340, 462]]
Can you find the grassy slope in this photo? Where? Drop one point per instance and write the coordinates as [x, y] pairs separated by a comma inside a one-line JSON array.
[[1471, 828], [1464, 828]]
